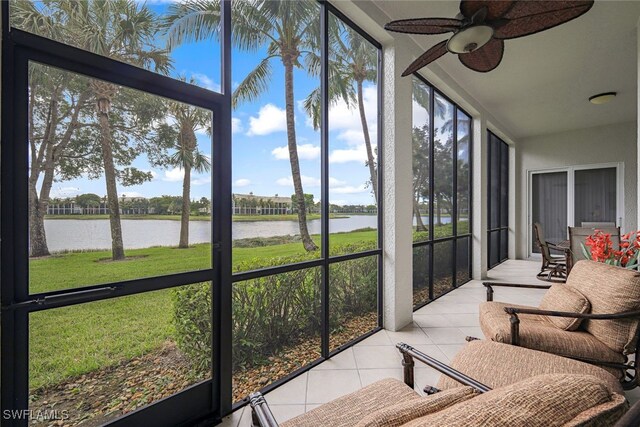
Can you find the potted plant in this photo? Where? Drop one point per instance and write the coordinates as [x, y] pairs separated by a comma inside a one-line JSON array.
[[599, 247]]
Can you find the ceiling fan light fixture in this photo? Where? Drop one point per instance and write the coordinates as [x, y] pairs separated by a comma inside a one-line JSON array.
[[602, 98], [470, 39]]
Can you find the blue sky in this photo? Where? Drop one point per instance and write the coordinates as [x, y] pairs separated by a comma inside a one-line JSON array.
[[260, 156]]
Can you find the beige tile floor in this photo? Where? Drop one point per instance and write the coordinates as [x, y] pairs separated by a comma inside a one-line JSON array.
[[438, 329]]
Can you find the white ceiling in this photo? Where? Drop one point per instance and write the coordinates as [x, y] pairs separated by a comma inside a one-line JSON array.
[[544, 81]]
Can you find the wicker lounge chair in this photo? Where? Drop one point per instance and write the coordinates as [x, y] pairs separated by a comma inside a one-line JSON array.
[[554, 268], [557, 392], [594, 317]]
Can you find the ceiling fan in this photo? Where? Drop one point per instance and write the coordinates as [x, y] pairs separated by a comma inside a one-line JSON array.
[[481, 27]]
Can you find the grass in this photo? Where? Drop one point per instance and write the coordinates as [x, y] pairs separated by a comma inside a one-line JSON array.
[[73, 340], [70, 341], [235, 218]]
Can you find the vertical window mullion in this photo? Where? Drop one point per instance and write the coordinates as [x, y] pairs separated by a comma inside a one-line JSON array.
[[223, 298], [324, 175], [454, 201], [431, 187]]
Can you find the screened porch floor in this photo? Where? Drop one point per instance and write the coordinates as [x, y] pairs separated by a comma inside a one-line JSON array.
[[439, 329]]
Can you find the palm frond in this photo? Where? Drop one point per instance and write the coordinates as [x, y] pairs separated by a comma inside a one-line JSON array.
[[191, 21], [254, 84]]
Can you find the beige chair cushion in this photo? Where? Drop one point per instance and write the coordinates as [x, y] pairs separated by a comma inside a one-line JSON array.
[[542, 401], [609, 289], [348, 410], [536, 332], [401, 413], [497, 365], [567, 299]]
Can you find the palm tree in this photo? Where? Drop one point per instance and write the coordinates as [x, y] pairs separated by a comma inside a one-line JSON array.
[[187, 156], [352, 61], [122, 30], [290, 29]]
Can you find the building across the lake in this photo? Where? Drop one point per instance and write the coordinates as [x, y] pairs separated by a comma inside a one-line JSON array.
[[251, 204]]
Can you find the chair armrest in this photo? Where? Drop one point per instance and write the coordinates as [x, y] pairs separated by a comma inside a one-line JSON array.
[[631, 418], [490, 285], [623, 315], [261, 415], [409, 353]]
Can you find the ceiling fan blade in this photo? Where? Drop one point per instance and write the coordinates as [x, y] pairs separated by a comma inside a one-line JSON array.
[[485, 59], [495, 9], [426, 58], [530, 17], [424, 25]]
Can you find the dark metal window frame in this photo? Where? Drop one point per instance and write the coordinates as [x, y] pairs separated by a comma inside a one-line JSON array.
[[455, 237], [325, 260], [491, 137], [210, 399]]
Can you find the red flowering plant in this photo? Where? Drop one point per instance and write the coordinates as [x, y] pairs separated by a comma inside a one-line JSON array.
[[599, 247]]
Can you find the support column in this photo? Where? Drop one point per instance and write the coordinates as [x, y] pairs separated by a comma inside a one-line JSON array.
[[480, 182], [398, 185]]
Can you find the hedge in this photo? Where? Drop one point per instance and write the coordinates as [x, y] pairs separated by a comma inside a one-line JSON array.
[[273, 312]]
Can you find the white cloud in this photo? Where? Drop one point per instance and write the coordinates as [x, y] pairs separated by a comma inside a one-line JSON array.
[[242, 182], [333, 182], [356, 154], [307, 181], [338, 202], [173, 175], [305, 152], [204, 180], [206, 82], [419, 114], [270, 119], [350, 189], [236, 125], [344, 117]]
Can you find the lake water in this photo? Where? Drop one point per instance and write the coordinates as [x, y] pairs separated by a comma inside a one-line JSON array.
[[73, 234]]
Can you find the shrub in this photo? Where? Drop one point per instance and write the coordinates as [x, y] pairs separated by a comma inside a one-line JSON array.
[[192, 320], [273, 312]]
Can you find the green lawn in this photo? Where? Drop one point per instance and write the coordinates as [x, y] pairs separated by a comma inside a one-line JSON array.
[[73, 340]]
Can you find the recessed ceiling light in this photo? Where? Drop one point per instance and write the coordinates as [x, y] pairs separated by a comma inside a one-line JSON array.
[[602, 98]]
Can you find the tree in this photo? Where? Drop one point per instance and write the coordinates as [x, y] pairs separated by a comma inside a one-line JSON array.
[[420, 171], [308, 201], [55, 105], [442, 152], [122, 30], [88, 200], [188, 119], [352, 62], [290, 29]]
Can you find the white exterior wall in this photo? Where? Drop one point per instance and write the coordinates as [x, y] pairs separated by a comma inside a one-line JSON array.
[[603, 144]]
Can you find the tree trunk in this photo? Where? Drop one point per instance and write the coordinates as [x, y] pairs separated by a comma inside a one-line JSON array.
[[309, 245], [103, 105], [37, 235], [186, 207], [367, 142], [416, 211]]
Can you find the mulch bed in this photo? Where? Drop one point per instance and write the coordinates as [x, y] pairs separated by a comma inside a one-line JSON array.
[[100, 396], [298, 356]]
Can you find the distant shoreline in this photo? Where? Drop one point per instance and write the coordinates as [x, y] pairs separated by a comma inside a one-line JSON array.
[[235, 218]]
